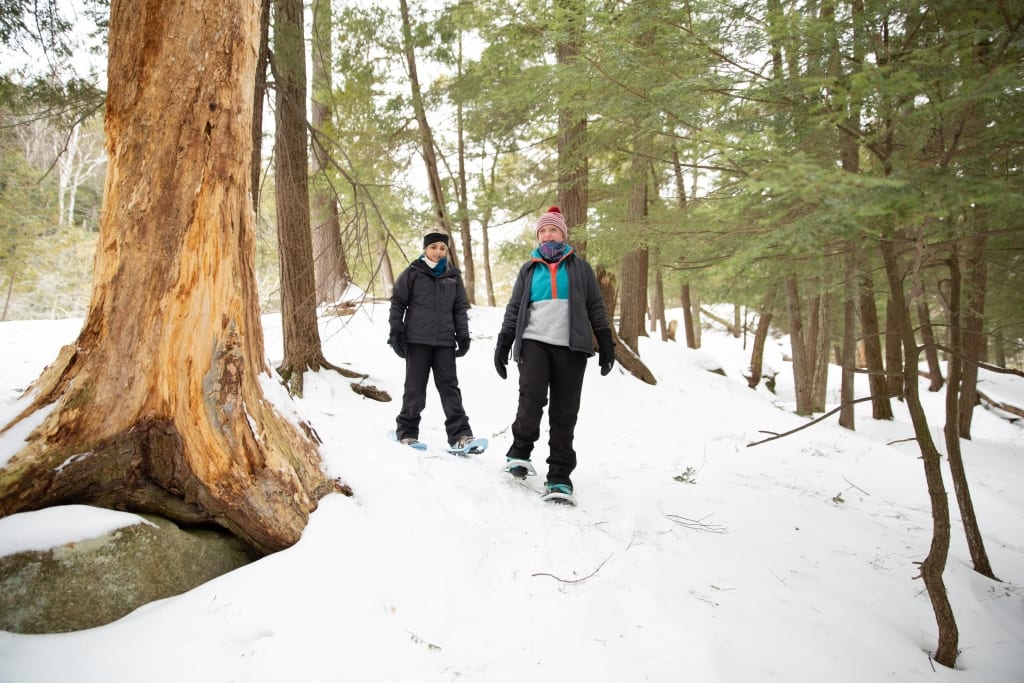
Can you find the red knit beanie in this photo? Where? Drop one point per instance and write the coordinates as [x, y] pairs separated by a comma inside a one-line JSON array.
[[553, 217]]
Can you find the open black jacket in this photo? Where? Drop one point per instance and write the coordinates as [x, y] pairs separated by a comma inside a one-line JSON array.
[[587, 311]]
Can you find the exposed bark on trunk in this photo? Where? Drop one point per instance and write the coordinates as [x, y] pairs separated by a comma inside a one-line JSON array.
[[635, 263], [764, 322], [893, 354], [931, 350], [934, 564], [634, 297], [847, 394], [801, 369], [331, 266], [624, 355], [302, 347], [881, 406], [951, 431], [822, 344], [973, 342], [157, 406], [687, 306]]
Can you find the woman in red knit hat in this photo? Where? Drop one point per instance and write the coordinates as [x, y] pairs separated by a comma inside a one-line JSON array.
[[555, 310]]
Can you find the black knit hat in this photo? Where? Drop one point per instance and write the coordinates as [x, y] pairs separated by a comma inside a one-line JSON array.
[[434, 235]]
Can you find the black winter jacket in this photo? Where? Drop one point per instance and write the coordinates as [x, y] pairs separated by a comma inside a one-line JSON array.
[[586, 306], [429, 309]]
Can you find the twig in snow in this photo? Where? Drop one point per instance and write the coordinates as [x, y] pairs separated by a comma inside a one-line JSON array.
[[854, 486], [557, 578], [698, 524]]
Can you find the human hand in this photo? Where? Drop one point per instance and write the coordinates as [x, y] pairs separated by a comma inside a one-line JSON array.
[[461, 346], [501, 354], [397, 343], [606, 351]]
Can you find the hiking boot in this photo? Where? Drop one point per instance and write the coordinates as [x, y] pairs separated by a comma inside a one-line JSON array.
[[558, 493], [462, 441], [518, 468], [408, 441]]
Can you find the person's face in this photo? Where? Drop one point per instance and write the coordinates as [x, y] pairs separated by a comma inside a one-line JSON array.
[[549, 233], [436, 251]]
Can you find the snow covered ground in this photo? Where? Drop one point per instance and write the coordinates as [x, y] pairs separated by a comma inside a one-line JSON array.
[[691, 556]]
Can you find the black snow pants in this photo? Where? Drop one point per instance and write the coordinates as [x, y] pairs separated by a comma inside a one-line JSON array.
[[543, 367], [420, 360]]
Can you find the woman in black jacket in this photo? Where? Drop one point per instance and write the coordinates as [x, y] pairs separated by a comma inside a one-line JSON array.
[[555, 310], [429, 329]]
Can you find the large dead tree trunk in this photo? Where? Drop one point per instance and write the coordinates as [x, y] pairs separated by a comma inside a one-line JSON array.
[[157, 406]]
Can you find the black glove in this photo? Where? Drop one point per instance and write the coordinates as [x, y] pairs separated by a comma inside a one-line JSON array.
[[501, 353], [461, 346], [605, 350], [397, 342]]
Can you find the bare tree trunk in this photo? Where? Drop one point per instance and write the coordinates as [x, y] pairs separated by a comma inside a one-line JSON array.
[[635, 263], [330, 264], [934, 564], [881, 406], [7, 299], [847, 394], [624, 355], [801, 369], [893, 354], [159, 398], [951, 431], [260, 95], [387, 274], [973, 342], [822, 343], [931, 350], [695, 317], [687, 306], [302, 347], [657, 315], [764, 322], [468, 267], [427, 147], [573, 164]]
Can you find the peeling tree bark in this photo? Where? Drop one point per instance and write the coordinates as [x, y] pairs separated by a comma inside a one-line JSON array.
[[157, 406]]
